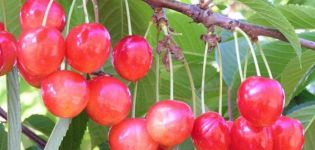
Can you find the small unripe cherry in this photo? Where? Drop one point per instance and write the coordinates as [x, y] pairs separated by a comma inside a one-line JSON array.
[[131, 134], [246, 136], [8, 48], [2, 26], [87, 47], [260, 100], [132, 57], [110, 100], [65, 93], [41, 51], [211, 132], [170, 122], [33, 11], [287, 134]]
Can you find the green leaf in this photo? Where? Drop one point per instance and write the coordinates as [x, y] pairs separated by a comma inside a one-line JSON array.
[[58, 134], [3, 138], [275, 18], [98, 134], [309, 136], [300, 16], [40, 123], [10, 10], [75, 133]]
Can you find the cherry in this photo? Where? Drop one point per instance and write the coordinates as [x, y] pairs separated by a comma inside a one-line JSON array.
[[41, 51], [230, 125], [170, 122], [1, 26], [131, 134], [260, 100], [211, 132], [287, 134], [34, 81], [246, 136], [8, 48], [88, 47], [65, 93], [33, 11], [110, 100], [132, 57]]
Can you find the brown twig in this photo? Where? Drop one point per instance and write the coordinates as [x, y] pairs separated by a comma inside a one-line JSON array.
[[208, 18], [30, 134]]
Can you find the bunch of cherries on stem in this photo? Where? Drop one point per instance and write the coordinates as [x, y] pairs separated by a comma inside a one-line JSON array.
[[41, 49]]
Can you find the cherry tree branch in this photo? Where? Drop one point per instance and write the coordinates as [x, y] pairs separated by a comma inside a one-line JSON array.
[[208, 18], [30, 134]]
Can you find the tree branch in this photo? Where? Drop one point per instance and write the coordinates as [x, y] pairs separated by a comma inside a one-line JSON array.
[[208, 18], [30, 134]]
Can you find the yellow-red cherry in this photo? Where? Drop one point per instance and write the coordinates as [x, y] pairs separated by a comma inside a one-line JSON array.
[[65, 93], [2, 26], [41, 51], [33, 11], [132, 57], [87, 47], [246, 136], [8, 48], [110, 100], [287, 134], [170, 122], [260, 100], [131, 134], [211, 132], [32, 80]]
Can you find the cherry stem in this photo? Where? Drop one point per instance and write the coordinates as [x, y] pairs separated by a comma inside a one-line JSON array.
[[148, 30], [157, 74], [203, 107], [221, 80], [264, 59], [192, 85], [86, 14], [68, 27], [134, 102], [251, 49], [47, 12], [245, 65], [237, 51], [230, 106], [128, 17], [96, 11]]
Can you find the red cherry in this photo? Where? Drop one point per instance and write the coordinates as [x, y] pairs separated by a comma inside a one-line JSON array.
[[41, 51], [230, 125], [132, 57], [131, 134], [260, 100], [170, 122], [65, 93], [110, 100], [32, 15], [246, 136], [211, 132], [34, 81], [2, 26], [287, 134], [87, 47], [8, 48]]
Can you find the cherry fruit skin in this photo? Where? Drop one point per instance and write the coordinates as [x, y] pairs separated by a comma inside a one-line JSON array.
[[41, 51], [65, 93], [2, 26], [33, 11], [288, 134], [8, 48], [170, 122], [110, 100], [34, 81], [211, 132], [131, 134], [132, 57], [87, 47], [246, 136], [260, 100]]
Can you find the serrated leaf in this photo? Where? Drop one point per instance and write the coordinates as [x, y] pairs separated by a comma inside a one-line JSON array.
[[3, 138], [275, 18], [75, 133], [40, 123], [98, 133]]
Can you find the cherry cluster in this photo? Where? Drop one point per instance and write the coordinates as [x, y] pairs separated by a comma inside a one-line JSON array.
[[41, 48]]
